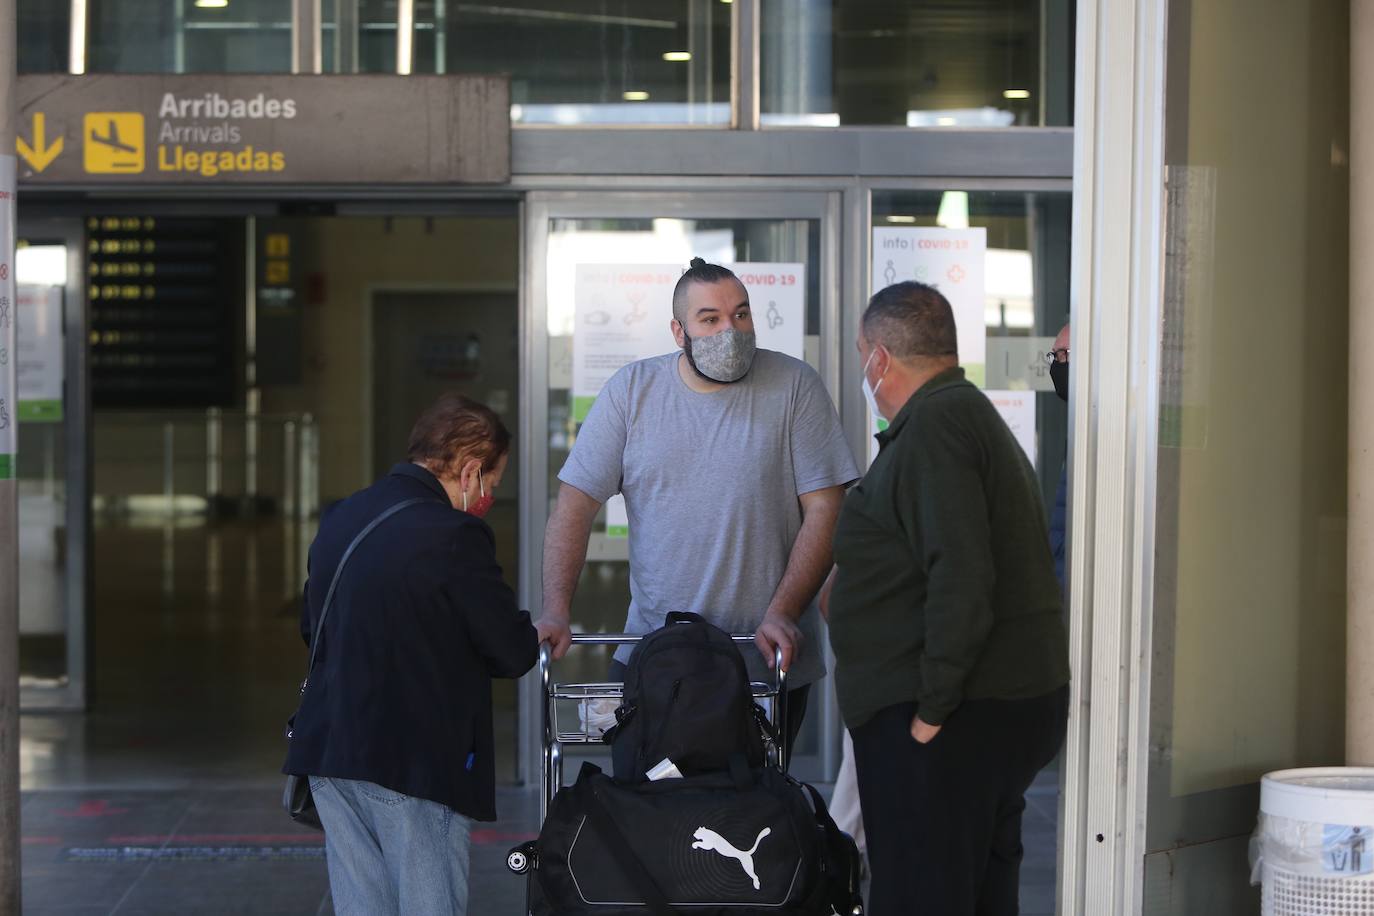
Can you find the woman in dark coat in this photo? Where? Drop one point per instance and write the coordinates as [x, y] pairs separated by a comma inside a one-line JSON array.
[[395, 724]]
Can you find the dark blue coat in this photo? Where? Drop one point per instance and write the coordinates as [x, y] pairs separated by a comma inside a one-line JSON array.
[[422, 621]]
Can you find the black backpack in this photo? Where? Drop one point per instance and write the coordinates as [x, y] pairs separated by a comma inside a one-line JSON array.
[[687, 699], [743, 844]]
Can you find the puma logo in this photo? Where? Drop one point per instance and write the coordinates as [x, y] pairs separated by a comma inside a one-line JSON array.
[[706, 838]]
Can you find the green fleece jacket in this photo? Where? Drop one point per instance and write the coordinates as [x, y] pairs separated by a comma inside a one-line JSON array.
[[945, 589]]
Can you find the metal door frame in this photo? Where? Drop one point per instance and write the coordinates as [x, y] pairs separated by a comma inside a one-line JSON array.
[[710, 202], [1116, 294]]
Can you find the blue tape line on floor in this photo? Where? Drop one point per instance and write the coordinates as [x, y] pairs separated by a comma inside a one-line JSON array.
[[192, 853]]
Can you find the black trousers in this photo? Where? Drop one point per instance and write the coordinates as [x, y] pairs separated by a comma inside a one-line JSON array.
[[943, 819], [796, 703]]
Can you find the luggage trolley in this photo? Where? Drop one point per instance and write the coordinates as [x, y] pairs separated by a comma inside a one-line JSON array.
[[555, 737], [522, 859]]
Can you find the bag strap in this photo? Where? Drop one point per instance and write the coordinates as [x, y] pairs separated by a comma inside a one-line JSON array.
[[761, 717], [818, 805], [624, 853], [338, 573]]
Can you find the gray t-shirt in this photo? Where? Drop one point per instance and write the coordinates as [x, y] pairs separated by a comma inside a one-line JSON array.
[[711, 485]]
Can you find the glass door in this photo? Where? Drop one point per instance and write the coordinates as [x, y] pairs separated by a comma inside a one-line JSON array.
[[1250, 550], [597, 258], [52, 416]]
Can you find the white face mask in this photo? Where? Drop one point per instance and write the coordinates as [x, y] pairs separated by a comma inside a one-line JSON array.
[[871, 391]]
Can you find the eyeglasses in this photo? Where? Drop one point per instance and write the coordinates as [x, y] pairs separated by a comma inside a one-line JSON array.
[[1058, 356]]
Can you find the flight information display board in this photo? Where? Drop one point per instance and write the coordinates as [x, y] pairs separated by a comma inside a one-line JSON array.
[[164, 295]]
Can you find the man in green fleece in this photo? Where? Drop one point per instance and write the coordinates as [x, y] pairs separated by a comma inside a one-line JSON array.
[[950, 650]]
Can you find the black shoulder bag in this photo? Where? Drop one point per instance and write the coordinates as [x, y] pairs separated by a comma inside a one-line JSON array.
[[297, 799]]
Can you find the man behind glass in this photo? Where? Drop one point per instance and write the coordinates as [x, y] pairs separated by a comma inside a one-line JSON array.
[[732, 464]]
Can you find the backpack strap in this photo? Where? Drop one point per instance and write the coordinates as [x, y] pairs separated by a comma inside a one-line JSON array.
[[817, 803]]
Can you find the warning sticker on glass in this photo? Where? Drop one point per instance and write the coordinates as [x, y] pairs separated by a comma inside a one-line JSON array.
[[1345, 850]]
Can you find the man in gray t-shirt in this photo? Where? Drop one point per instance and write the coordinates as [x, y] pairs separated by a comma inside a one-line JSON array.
[[733, 465]]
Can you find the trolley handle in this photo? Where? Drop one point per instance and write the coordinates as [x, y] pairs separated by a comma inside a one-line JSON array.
[[553, 748], [626, 639]]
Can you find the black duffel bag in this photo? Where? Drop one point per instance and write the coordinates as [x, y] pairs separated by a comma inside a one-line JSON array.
[[745, 843]]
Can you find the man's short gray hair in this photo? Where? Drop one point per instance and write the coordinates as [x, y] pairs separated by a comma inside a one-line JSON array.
[[911, 319]]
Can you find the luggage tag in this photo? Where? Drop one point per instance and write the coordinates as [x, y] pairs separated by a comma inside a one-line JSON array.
[[664, 769]]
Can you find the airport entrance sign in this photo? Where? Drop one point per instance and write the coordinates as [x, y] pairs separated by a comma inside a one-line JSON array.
[[203, 129]]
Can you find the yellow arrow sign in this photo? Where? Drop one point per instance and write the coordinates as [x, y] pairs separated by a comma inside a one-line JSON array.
[[40, 155]]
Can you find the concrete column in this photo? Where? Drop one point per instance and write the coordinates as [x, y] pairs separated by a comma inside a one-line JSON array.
[[9, 495], [1359, 715]]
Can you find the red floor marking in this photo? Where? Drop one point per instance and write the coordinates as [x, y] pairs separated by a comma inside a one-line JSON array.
[[485, 837], [99, 808], [42, 841]]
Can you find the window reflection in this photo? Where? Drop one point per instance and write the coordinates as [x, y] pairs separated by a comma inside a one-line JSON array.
[[43, 36], [1026, 287], [588, 61], [189, 36], [980, 63], [358, 36]]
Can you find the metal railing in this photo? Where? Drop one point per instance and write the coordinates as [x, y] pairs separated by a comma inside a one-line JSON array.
[[211, 462], [775, 695]]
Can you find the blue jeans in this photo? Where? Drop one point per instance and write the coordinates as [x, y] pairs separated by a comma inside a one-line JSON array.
[[390, 853]]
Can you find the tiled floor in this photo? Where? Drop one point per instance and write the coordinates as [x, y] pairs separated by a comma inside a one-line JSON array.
[[164, 798], [208, 850]]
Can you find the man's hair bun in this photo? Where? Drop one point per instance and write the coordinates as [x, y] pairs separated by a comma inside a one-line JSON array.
[[700, 271]]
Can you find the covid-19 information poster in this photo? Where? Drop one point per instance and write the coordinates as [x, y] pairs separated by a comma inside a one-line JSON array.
[[623, 314], [951, 260], [38, 360]]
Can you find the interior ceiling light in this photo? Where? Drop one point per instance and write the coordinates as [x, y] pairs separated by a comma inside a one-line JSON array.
[[1016, 94], [637, 95], [901, 219], [946, 122], [505, 9], [212, 4], [678, 55]]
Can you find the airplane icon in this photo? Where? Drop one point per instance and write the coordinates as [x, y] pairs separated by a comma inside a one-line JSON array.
[[114, 142], [111, 139]]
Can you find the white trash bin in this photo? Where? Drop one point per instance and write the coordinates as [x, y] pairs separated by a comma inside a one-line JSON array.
[[1313, 850]]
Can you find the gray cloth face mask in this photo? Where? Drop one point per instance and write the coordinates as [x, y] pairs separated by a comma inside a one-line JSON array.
[[724, 357]]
